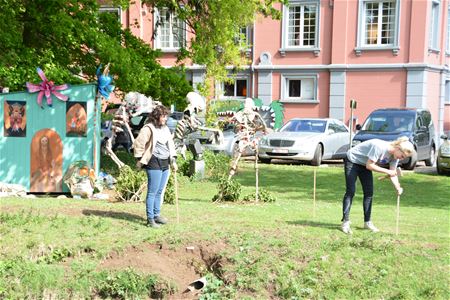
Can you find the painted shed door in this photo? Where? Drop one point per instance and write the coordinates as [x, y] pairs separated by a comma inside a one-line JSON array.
[[46, 162]]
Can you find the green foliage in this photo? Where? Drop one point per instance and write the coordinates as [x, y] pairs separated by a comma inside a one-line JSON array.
[[107, 117], [128, 284], [108, 166], [67, 38], [129, 182], [229, 190], [55, 255], [216, 26], [216, 289], [263, 195], [184, 163], [216, 164], [169, 195]]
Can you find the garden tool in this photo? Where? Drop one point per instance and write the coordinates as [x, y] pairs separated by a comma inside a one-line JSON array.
[[175, 186], [398, 214], [399, 174]]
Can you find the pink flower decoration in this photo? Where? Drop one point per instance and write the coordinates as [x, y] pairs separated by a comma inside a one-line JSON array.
[[47, 88]]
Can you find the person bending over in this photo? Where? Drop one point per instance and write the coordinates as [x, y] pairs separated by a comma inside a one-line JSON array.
[[361, 160]]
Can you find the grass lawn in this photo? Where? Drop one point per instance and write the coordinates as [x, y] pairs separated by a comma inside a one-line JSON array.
[[66, 248]]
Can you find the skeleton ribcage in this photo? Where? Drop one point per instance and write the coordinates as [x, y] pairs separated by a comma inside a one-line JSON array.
[[184, 127]]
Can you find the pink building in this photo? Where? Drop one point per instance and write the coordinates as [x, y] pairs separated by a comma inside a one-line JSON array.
[[323, 53]]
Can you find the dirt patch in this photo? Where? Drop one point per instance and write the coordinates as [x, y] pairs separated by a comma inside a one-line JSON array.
[[181, 265]]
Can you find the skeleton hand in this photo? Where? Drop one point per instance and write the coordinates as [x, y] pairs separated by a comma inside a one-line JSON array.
[[173, 163]]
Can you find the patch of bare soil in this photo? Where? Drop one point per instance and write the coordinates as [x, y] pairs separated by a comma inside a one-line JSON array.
[[182, 265]]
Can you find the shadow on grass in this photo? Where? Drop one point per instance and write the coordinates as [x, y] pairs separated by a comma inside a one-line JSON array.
[[115, 215], [420, 190], [315, 224]]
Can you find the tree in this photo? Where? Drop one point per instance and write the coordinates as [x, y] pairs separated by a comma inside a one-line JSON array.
[[216, 25], [68, 39]]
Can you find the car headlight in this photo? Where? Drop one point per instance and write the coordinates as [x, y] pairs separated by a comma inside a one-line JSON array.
[[355, 142], [445, 150], [263, 142]]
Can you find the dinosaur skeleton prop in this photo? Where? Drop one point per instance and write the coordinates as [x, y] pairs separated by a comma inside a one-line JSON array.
[[134, 104], [248, 122], [191, 123]]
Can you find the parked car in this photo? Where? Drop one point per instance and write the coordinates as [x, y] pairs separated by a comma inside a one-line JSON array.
[[391, 123], [312, 139], [443, 157]]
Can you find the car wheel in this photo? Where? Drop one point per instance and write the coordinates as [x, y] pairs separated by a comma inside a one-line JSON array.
[[430, 161], [439, 171], [317, 159], [265, 160], [411, 164]]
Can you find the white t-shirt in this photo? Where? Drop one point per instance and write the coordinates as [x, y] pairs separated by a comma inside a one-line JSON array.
[[161, 137], [375, 150]]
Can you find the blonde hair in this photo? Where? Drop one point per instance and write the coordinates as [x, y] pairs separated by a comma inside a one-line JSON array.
[[404, 145]]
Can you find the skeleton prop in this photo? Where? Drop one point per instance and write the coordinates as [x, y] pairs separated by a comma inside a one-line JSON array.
[[191, 123], [133, 105], [247, 122]]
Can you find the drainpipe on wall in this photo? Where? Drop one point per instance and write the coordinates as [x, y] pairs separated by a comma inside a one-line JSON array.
[[252, 67]]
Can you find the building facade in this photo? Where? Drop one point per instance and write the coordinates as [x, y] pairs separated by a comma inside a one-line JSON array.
[[323, 53]]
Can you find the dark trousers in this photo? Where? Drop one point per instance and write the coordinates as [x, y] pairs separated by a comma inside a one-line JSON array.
[[352, 172]]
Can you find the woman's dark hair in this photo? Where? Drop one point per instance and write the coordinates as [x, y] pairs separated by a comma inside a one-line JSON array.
[[155, 115]]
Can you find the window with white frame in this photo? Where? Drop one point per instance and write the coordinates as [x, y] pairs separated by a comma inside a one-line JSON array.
[[301, 24], [302, 88], [447, 92], [170, 30], [244, 35], [434, 25], [236, 89], [116, 11], [379, 23]]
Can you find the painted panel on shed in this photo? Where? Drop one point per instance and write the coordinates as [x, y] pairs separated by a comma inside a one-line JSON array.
[[15, 152]]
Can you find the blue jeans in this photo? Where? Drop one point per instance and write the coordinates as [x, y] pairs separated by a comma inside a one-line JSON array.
[[156, 186], [352, 172]]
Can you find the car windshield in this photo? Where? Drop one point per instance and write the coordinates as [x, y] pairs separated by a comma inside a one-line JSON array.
[[304, 126], [389, 123]]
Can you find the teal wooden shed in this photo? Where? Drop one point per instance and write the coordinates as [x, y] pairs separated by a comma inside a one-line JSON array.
[[38, 144]]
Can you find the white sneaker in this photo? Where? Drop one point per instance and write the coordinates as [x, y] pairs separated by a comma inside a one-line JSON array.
[[369, 225], [346, 227]]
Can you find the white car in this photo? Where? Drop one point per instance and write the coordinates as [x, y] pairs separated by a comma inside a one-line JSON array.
[[306, 139]]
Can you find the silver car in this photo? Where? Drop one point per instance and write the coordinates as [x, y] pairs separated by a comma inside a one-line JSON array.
[[306, 139]]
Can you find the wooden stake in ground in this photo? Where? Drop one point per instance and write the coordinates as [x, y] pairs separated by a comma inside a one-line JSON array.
[[256, 176], [398, 215], [314, 194], [175, 186]]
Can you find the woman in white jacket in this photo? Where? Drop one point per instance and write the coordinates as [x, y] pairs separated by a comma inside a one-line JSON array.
[[155, 152]]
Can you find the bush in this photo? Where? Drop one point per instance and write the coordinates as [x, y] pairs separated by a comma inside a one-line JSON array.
[[108, 166], [169, 196], [263, 195], [183, 163], [129, 182], [217, 165], [229, 190]]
